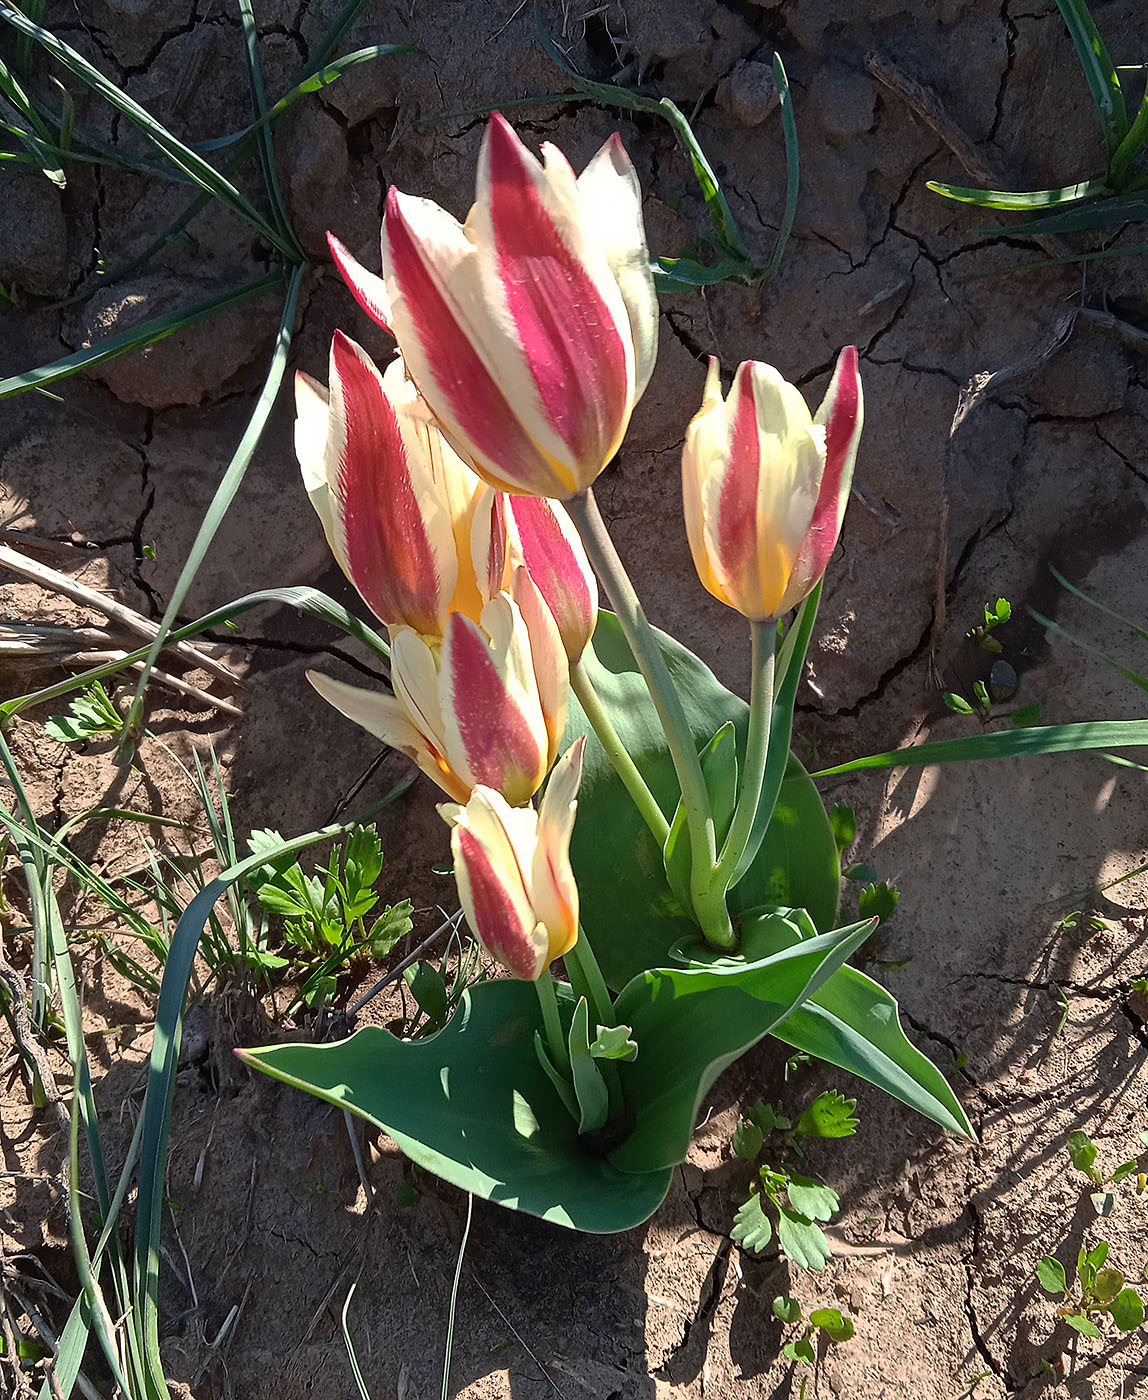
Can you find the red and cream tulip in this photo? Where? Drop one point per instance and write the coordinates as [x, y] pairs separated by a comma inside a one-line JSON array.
[[544, 541], [513, 870], [531, 330], [485, 705], [765, 484], [412, 527]]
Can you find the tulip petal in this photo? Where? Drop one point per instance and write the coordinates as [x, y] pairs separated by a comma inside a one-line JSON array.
[[396, 540], [548, 657], [442, 325], [493, 721], [553, 889], [842, 414], [705, 446], [414, 675], [311, 426], [368, 289], [386, 718], [568, 326], [758, 505], [612, 206], [553, 554], [488, 544], [491, 886]]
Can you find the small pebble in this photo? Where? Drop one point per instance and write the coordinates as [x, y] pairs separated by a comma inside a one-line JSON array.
[[751, 94], [1002, 681]]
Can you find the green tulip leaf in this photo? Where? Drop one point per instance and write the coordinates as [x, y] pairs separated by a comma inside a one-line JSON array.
[[616, 860], [473, 1105], [614, 1043], [719, 768], [852, 1022], [692, 1022], [589, 1086]]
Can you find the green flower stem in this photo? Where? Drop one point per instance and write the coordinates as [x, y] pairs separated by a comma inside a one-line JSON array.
[[583, 968], [764, 644], [711, 912], [552, 1024], [624, 765]]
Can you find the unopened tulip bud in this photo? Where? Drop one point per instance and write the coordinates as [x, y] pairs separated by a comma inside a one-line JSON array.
[[513, 871]]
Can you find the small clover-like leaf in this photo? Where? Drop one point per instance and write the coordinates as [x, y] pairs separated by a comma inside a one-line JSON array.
[[801, 1350], [1107, 1284], [836, 1327], [751, 1227], [1097, 1255], [747, 1139], [957, 703], [811, 1197], [1084, 1325], [878, 901], [786, 1309], [830, 1115], [1051, 1276], [801, 1240], [1127, 1310], [1082, 1153], [843, 824], [614, 1043]]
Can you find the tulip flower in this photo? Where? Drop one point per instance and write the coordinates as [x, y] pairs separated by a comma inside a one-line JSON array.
[[485, 705], [543, 539], [513, 871], [412, 527], [531, 330], [765, 485]]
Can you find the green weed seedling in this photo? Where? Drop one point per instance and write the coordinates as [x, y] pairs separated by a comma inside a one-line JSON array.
[[325, 914], [1099, 1292], [1083, 1153], [799, 1201], [1107, 201], [91, 715], [877, 898], [830, 1323], [1001, 684]]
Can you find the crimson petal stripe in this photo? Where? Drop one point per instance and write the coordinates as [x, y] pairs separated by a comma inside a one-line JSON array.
[[568, 334], [390, 558]]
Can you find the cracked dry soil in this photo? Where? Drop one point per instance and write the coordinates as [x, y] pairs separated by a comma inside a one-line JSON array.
[[937, 1241]]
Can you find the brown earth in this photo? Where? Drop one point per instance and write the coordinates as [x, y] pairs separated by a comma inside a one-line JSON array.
[[937, 1242]]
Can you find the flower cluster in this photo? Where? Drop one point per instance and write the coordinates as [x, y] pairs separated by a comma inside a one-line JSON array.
[[525, 337]]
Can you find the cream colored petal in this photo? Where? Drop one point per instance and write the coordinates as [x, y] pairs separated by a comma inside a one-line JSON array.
[[612, 208], [414, 675], [311, 428]]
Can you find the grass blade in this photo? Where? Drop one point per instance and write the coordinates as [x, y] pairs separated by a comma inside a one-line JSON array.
[[792, 169], [1130, 146], [1022, 200], [147, 333], [1102, 213], [162, 1068], [728, 233], [263, 136], [1100, 607], [220, 504], [308, 600], [1058, 631], [1103, 80], [313, 83], [182, 156], [1008, 743]]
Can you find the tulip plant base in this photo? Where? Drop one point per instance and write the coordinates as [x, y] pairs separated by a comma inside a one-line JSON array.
[[473, 1105], [617, 861]]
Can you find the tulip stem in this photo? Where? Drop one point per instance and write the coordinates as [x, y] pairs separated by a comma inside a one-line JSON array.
[[624, 765], [763, 639], [587, 977], [552, 1023], [710, 911]]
